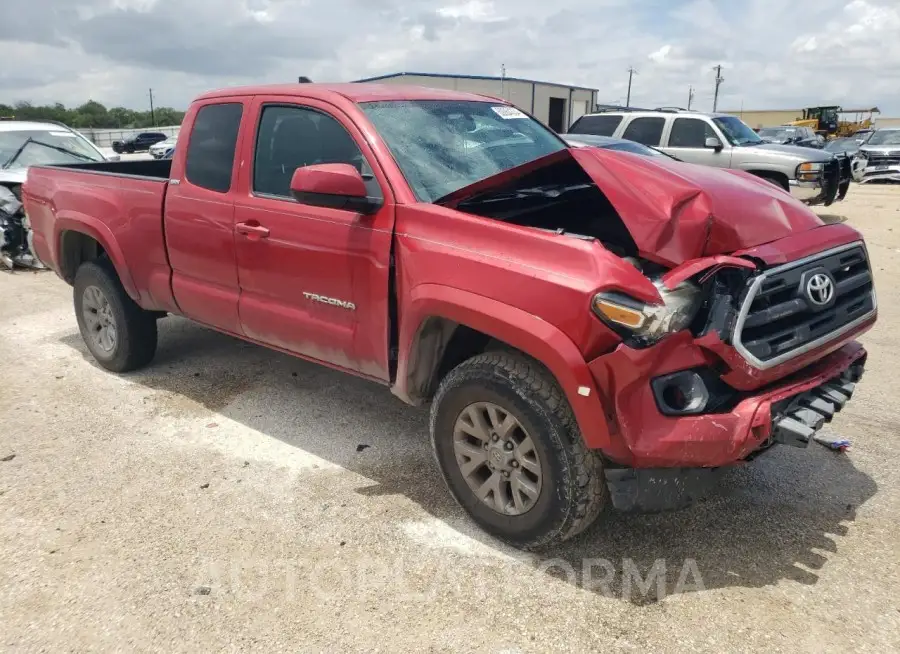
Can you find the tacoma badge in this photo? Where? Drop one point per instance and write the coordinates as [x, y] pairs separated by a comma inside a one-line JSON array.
[[330, 300]]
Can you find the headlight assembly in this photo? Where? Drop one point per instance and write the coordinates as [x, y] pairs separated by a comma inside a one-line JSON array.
[[809, 171], [649, 323]]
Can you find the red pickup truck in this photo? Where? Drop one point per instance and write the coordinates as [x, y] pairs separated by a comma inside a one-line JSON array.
[[590, 327]]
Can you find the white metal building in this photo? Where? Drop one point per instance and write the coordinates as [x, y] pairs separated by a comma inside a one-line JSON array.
[[556, 105]]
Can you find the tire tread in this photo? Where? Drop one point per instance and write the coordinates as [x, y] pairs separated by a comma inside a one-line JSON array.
[[586, 487]]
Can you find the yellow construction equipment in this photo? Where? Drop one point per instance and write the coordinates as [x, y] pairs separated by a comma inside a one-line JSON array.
[[863, 119], [824, 120]]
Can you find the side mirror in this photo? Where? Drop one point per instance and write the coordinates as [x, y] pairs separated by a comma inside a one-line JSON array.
[[336, 186], [714, 143]]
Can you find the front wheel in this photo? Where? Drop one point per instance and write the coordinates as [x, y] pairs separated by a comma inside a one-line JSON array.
[[119, 334], [511, 453]]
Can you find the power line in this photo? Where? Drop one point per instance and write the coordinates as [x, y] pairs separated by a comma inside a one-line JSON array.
[[631, 73], [719, 80]]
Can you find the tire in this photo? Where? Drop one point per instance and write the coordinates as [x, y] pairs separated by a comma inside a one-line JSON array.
[[133, 340], [572, 489], [776, 179]]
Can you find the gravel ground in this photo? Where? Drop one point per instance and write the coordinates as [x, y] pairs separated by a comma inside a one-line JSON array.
[[232, 498]]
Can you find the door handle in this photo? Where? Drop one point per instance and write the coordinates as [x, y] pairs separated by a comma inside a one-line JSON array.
[[253, 232]]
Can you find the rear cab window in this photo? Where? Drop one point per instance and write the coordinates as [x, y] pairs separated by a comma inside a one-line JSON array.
[[647, 130], [213, 140], [604, 125]]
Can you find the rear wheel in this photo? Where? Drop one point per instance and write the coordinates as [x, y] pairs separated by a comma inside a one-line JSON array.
[[511, 452], [119, 334]]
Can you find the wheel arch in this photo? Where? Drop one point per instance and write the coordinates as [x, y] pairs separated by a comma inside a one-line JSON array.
[[776, 176], [441, 326], [81, 239]]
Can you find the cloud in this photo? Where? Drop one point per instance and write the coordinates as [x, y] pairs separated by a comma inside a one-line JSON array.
[[774, 53]]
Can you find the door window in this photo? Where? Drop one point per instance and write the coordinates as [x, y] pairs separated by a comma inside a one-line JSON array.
[[690, 133], [597, 125], [645, 130], [210, 155], [291, 137]]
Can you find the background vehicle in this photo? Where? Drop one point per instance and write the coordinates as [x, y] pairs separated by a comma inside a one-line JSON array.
[[608, 143], [724, 141], [878, 158], [792, 135], [822, 120], [589, 326], [138, 143], [158, 150], [843, 146], [24, 144], [862, 135]]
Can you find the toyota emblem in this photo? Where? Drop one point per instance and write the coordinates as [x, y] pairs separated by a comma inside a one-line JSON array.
[[820, 289]]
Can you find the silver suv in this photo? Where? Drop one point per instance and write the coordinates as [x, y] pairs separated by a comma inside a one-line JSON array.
[[724, 141], [878, 158]]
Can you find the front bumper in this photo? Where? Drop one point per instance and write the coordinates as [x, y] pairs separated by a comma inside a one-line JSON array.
[[645, 438], [878, 173], [832, 185], [790, 414]]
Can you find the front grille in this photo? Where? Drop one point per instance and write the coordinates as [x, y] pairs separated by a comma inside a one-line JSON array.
[[783, 313], [886, 159]]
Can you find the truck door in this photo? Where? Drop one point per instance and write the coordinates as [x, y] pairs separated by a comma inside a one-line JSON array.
[[199, 216], [314, 280], [687, 141]]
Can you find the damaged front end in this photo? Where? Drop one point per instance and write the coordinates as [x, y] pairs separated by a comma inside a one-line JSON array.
[[877, 166], [736, 327], [15, 231], [768, 359]]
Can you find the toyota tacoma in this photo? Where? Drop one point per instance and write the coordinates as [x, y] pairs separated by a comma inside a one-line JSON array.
[[590, 327]]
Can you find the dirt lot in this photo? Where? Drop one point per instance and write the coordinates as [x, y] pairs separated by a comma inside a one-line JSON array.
[[232, 498]]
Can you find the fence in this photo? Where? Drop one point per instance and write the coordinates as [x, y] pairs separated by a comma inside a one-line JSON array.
[[104, 137]]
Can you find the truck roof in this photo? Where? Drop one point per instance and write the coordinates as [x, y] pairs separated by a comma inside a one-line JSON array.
[[355, 92], [28, 125]]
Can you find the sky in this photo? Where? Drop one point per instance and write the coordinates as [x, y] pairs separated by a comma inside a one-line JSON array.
[[774, 53]]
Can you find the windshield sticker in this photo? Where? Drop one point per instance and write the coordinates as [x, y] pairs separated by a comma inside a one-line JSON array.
[[508, 113], [65, 134]]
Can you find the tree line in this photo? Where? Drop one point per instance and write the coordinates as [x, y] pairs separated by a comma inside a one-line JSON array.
[[93, 114]]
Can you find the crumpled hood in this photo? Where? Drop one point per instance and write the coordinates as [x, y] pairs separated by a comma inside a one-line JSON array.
[[677, 211], [891, 149]]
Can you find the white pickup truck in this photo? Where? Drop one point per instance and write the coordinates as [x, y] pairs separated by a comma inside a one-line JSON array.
[[725, 141]]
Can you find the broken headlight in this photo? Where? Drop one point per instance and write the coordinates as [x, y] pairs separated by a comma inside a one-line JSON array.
[[646, 323]]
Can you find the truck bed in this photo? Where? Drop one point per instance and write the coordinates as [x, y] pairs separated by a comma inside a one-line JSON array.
[[117, 203], [157, 169]]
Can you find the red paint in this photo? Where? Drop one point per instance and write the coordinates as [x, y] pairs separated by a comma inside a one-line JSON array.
[[709, 265], [648, 439], [249, 264], [329, 179]]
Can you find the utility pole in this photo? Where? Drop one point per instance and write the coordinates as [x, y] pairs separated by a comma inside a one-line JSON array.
[[502, 79], [152, 115], [719, 80], [690, 97], [631, 73]]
